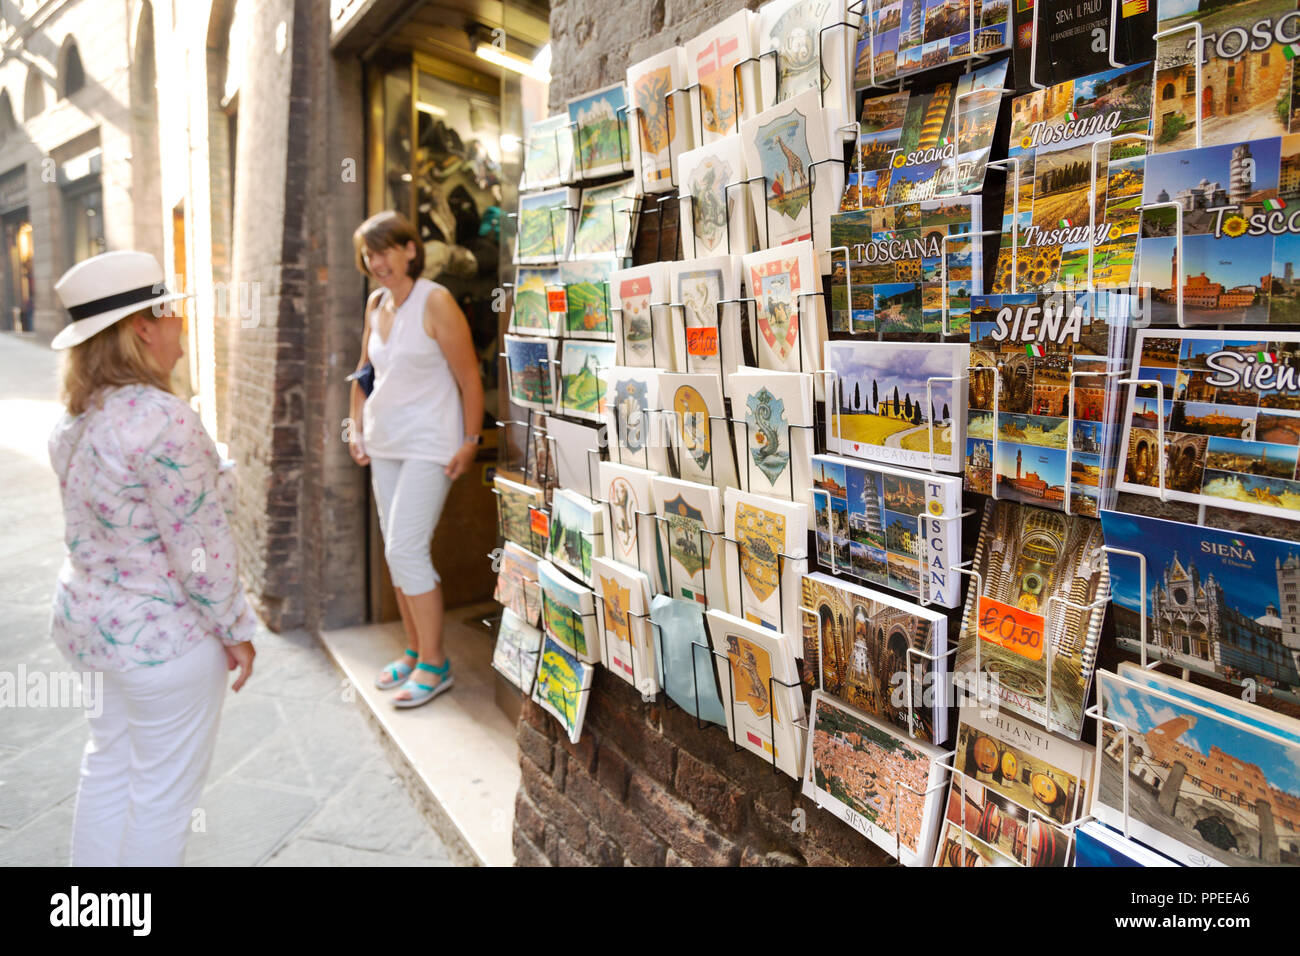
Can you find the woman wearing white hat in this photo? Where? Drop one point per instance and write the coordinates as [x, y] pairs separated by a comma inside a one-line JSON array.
[[149, 593]]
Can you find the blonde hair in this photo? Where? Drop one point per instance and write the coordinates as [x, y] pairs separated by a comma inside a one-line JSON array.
[[114, 356]]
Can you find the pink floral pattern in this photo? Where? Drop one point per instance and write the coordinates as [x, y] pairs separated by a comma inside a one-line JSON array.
[[151, 568]]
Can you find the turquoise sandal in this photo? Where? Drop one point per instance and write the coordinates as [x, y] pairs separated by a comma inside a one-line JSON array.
[[423, 693], [395, 673]]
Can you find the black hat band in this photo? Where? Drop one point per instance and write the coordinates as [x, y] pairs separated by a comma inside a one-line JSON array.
[[116, 301]]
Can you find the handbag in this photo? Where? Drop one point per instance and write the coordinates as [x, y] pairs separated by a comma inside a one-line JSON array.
[[365, 377]]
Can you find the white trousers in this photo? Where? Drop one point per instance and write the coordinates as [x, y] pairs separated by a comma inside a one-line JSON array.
[[147, 760], [409, 495]]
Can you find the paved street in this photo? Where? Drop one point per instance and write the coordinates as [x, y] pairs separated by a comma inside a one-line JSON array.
[[299, 777]]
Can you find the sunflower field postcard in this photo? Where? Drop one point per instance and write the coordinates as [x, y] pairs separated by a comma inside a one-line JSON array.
[[568, 612], [563, 686]]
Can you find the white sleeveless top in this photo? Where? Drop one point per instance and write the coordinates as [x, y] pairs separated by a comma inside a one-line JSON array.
[[414, 410]]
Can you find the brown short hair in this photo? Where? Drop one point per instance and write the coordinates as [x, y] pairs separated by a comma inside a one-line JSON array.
[[384, 230], [114, 356]]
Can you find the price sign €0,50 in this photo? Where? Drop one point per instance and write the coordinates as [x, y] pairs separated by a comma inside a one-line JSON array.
[[1019, 631]]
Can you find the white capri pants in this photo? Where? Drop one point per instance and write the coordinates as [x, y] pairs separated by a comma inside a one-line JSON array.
[[148, 757], [409, 495]]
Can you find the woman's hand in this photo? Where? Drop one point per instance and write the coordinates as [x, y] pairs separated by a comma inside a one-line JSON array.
[[460, 461], [241, 656], [358, 451]]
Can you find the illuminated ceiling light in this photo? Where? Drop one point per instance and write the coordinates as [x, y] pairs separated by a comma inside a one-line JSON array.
[[512, 61], [430, 109]]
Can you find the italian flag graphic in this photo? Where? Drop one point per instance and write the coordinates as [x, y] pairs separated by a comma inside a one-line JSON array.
[[1066, 223], [1269, 357], [1072, 116], [1034, 350], [1291, 51], [1273, 205]]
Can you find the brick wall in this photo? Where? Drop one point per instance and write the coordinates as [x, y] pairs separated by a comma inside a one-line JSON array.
[[646, 787]]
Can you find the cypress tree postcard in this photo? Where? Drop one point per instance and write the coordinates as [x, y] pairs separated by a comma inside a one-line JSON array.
[[883, 784], [857, 639], [880, 394], [1221, 603], [1230, 405], [1044, 585], [577, 533], [888, 526], [602, 144]]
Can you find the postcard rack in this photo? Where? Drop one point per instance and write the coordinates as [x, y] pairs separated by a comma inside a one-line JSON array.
[[1014, 178], [621, 340], [532, 529], [789, 444], [557, 253], [520, 653], [859, 8], [751, 320], [943, 264], [956, 126], [640, 431], [554, 382], [624, 147], [668, 702], [993, 454], [1108, 142], [693, 423], [924, 597], [1104, 493], [1177, 207]]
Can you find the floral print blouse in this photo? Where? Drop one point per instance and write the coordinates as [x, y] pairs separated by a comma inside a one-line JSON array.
[[151, 568]]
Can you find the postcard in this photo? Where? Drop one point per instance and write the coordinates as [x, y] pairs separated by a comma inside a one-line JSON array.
[[1053, 133], [760, 690], [1226, 705], [889, 526], [1220, 603], [716, 215], [544, 226], [1249, 38], [643, 319], [627, 644], [587, 298], [713, 61], [696, 420], [691, 557], [879, 393], [563, 686], [1240, 205], [577, 533], [531, 367], [518, 516], [634, 419], [772, 428], [548, 153], [1053, 361], [568, 612], [517, 647], [1012, 832], [767, 550], [1201, 788], [578, 449], [602, 144], [789, 313], [706, 314], [793, 199], [584, 378], [661, 123], [1074, 37], [895, 261], [886, 786], [1099, 845], [629, 496], [1230, 404], [517, 588], [958, 848], [686, 668], [858, 641], [911, 36], [606, 224], [1044, 585], [789, 28], [535, 311]]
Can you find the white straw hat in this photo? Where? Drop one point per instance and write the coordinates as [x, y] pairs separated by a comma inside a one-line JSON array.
[[105, 288]]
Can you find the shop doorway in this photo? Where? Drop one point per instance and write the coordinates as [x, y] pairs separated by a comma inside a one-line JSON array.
[[19, 298]]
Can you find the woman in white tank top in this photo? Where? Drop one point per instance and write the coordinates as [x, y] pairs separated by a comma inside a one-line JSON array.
[[418, 431]]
